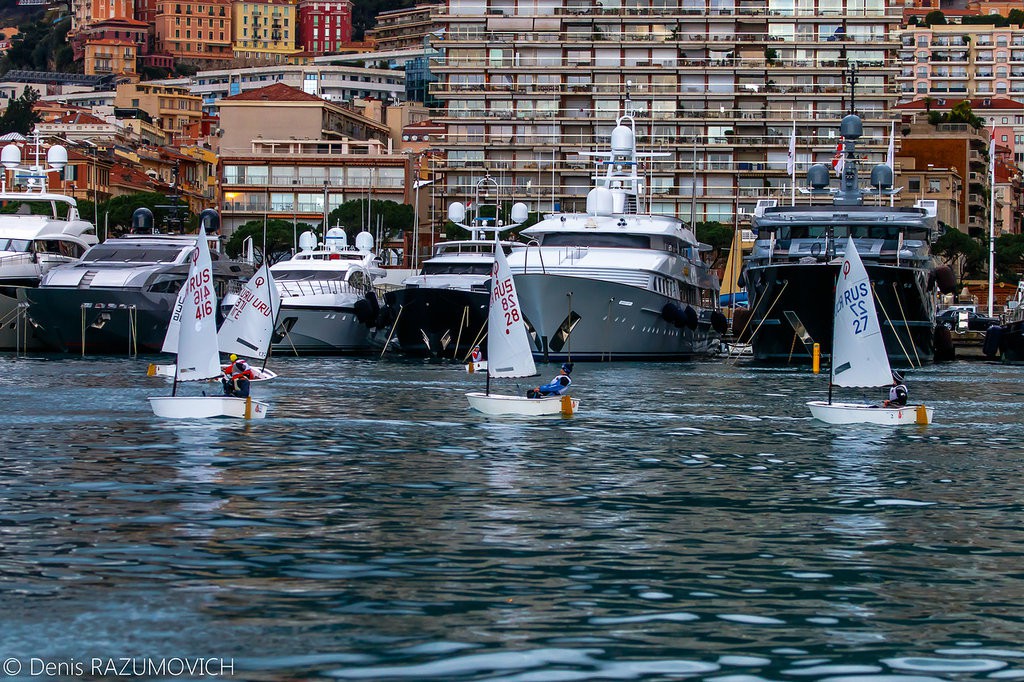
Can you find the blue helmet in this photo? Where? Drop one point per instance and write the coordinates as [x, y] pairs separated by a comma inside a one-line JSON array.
[[567, 367]]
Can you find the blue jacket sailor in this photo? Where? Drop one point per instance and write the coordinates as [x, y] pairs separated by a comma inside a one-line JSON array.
[[557, 386]]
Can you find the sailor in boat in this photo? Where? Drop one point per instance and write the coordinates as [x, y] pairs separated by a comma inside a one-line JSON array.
[[476, 355], [237, 376], [898, 392], [557, 386]]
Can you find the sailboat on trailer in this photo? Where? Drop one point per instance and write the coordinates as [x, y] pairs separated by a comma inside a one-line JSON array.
[[194, 327], [859, 358], [508, 352]]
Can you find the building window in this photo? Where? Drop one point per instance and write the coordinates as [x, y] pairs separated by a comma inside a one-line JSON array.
[[934, 184], [914, 185]]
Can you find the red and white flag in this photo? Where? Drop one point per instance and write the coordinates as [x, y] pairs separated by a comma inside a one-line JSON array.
[[838, 160]]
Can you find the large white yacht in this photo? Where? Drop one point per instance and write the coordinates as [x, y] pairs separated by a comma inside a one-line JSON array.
[[328, 304], [38, 231], [615, 283]]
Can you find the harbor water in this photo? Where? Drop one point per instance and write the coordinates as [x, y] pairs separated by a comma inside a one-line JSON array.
[[691, 522]]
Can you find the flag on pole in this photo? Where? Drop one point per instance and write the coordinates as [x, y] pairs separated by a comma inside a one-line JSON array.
[[838, 160], [890, 157], [992, 156], [791, 159]]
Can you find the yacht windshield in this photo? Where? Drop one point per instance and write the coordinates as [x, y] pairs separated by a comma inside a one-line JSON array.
[[132, 253], [309, 275], [617, 241], [456, 268], [841, 231], [20, 245]]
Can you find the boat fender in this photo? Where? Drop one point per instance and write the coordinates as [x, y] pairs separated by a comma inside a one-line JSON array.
[[371, 296], [691, 317], [992, 338], [364, 311], [944, 351], [740, 326], [945, 278], [719, 322], [673, 312], [741, 281], [385, 317]]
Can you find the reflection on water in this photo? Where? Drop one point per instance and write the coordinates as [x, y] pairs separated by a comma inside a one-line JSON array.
[[691, 521]]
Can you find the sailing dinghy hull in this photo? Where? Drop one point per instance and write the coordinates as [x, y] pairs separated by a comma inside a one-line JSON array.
[[168, 371], [202, 407], [512, 405], [859, 413]]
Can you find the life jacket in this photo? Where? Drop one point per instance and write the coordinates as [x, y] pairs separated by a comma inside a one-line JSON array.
[[241, 369], [898, 394], [477, 356]]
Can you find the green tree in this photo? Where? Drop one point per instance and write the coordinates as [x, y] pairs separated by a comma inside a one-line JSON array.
[[1010, 258], [718, 236], [352, 216], [281, 238], [961, 252], [1016, 17], [935, 18], [20, 116], [121, 209]]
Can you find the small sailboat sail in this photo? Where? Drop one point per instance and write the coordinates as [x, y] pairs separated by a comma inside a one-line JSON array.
[[246, 331], [859, 358], [858, 350], [194, 323], [197, 320], [508, 351]]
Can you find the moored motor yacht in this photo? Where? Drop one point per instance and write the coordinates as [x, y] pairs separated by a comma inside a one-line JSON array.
[[328, 303], [39, 230], [616, 283], [442, 310], [119, 297]]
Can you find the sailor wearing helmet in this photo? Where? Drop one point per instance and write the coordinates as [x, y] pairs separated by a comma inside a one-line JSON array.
[[557, 386], [898, 392], [237, 376]]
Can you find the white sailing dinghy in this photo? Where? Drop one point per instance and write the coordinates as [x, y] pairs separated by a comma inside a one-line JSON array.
[[859, 358], [246, 331], [508, 352], [194, 324]]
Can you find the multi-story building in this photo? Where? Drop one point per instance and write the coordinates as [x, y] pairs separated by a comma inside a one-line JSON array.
[[291, 155], [110, 56], [264, 31], [325, 26], [962, 60], [197, 31], [172, 108], [403, 28], [959, 146], [717, 85]]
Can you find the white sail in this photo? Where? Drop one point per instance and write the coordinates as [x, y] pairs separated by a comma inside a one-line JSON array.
[[858, 350], [174, 327], [198, 358], [508, 346], [248, 328]]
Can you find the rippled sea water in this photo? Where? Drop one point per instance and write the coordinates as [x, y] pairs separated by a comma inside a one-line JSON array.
[[690, 522]]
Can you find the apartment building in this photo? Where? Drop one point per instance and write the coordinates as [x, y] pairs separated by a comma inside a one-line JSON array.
[[195, 31], [717, 85], [291, 155], [325, 26], [110, 56], [402, 28], [961, 60], [264, 31], [174, 109]]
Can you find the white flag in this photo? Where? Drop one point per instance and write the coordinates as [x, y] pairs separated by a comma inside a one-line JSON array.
[[890, 157], [791, 159], [992, 157]]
